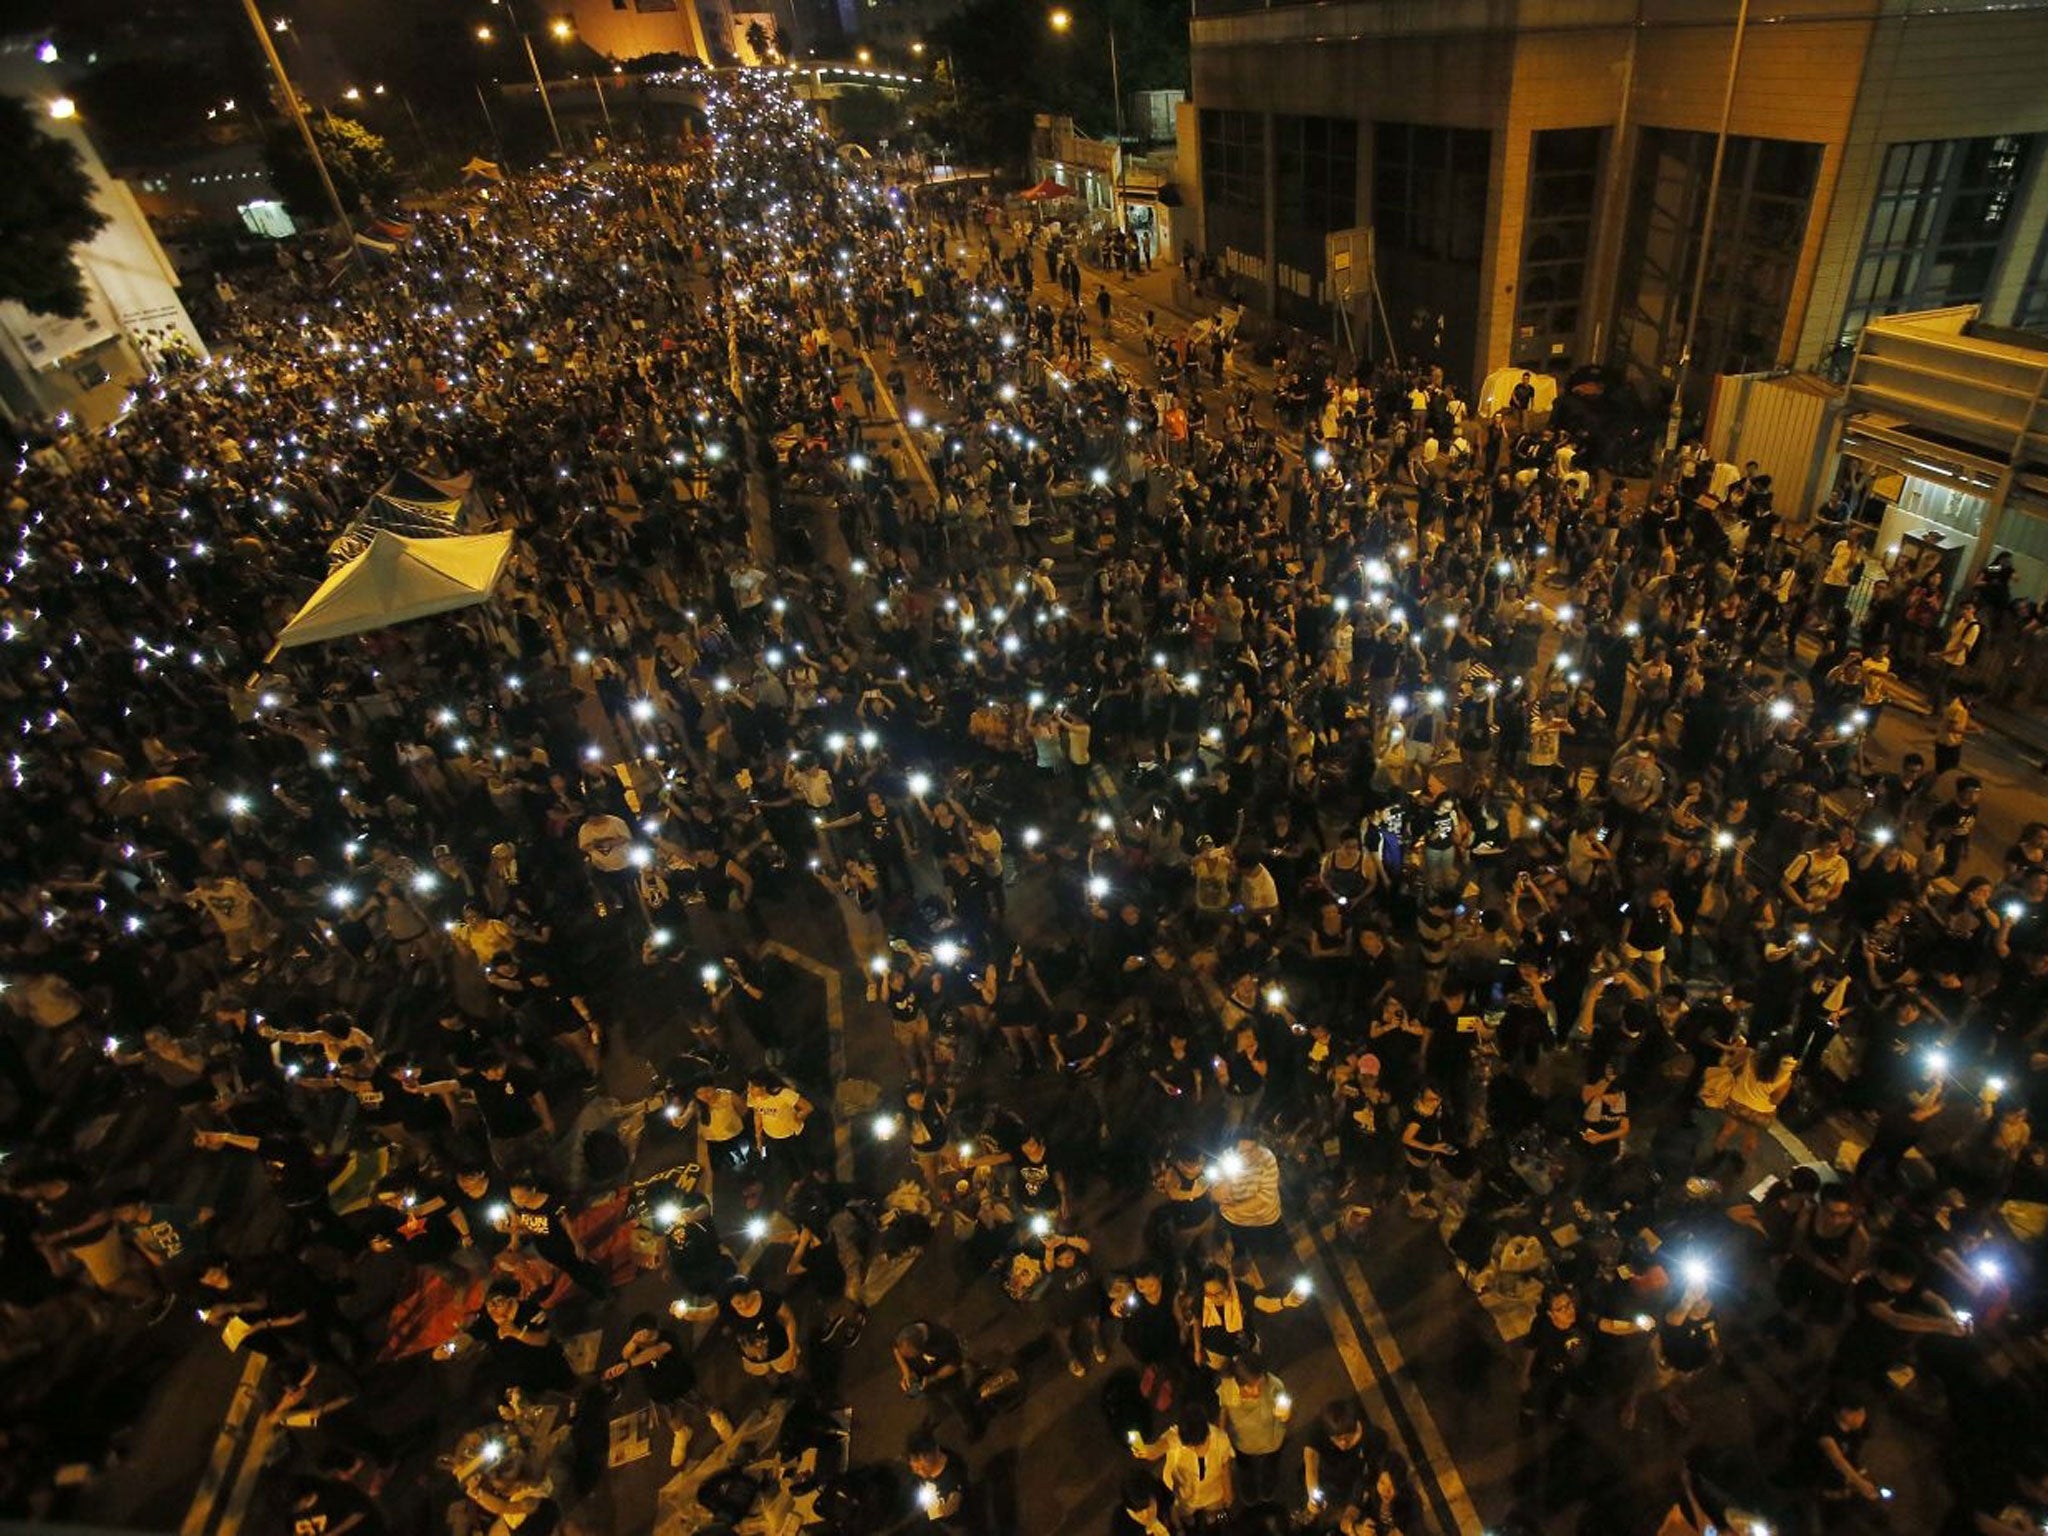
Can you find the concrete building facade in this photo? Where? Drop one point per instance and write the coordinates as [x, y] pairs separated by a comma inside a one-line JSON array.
[[1536, 173]]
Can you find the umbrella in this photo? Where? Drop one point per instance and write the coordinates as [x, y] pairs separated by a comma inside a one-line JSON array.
[[1046, 191]]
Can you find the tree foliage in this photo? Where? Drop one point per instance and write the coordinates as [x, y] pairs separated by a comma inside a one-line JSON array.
[[358, 159], [46, 211]]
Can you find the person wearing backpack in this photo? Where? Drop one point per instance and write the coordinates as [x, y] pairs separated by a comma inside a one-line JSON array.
[[1964, 632]]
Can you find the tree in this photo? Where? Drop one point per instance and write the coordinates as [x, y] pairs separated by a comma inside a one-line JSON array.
[[758, 41], [46, 211], [358, 160], [864, 114]]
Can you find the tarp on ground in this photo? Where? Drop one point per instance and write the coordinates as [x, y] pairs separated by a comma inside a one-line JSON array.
[[396, 579], [413, 505]]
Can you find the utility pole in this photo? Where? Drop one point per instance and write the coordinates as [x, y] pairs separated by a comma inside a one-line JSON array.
[[539, 84], [1699, 276], [1116, 85], [298, 111]]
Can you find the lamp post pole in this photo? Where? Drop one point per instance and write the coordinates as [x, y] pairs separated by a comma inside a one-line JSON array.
[[1699, 277], [298, 111], [1116, 85], [539, 84]]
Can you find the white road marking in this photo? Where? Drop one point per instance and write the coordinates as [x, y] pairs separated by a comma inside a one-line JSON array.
[[835, 1026], [199, 1517], [1442, 1464]]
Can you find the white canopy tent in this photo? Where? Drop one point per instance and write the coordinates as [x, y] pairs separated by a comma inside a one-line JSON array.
[[1500, 384], [396, 579]]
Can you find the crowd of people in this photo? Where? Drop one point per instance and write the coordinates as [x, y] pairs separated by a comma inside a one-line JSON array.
[[1251, 809]]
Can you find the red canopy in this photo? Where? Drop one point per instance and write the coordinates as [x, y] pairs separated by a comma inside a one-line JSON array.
[[1046, 191]]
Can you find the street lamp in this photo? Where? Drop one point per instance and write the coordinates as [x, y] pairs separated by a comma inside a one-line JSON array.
[[1062, 21], [63, 107], [352, 94], [484, 34], [297, 109], [562, 29]]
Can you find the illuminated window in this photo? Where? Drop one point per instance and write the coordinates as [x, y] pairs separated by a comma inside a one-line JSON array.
[[1943, 211]]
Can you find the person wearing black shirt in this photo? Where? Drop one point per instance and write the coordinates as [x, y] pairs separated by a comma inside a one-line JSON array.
[[1041, 1183], [416, 1219], [537, 1221], [486, 1212], [659, 1360], [1337, 1462], [1831, 1454], [289, 1314], [1143, 1508], [547, 1012], [1080, 1044], [929, 1362], [330, 1506], [1892, 1312], [1554, 1372], [519, 1348], [516, 1117], [761, 1326], [299, 1179], [939, 1489], [1423, 1147]]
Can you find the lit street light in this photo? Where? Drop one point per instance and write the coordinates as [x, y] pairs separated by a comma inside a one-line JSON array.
[[296, 107], [1062, 21], [63, 107], [561, 29]]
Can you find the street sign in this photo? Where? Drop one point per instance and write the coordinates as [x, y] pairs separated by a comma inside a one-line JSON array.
[[1347, 263]]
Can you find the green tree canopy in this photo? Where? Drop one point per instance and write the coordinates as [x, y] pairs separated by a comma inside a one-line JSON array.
[[358, 160], [46, 210]]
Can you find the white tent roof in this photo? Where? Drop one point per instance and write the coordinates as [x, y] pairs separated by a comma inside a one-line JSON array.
[[1493, 394], [396, 579]]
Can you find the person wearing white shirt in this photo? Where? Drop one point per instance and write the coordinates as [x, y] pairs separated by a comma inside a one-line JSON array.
[[1195, 1457]]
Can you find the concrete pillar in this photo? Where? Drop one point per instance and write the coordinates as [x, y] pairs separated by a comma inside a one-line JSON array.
[[1271, 301]]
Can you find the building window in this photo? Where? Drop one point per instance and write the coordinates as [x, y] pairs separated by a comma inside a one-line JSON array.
[[1941, 216], [1759, 227], [1429, 190], [1564, 189], [1315, 186], [2032, 310], [1234, 182]]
